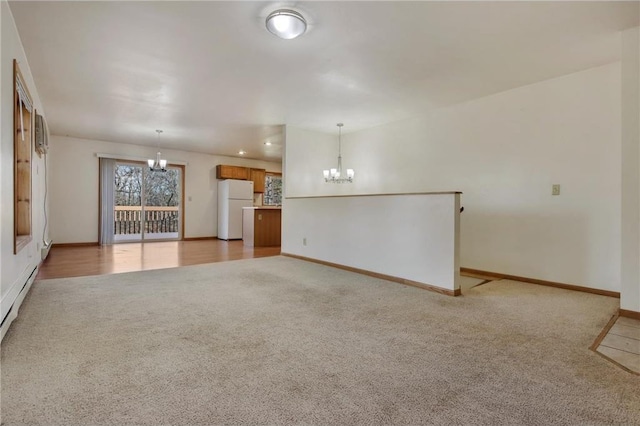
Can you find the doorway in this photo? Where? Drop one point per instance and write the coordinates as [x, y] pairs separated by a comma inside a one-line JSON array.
[[147, 205]]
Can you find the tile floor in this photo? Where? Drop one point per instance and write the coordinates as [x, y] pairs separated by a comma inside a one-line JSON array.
[[622, 343]]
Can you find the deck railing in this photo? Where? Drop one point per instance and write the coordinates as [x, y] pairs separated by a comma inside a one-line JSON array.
[[128, 219]]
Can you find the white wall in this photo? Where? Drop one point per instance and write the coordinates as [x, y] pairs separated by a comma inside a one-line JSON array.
[[503, 152], [306, 155], [16, 269], [74, 186], [630, 93], [3, 152], [413, 237]]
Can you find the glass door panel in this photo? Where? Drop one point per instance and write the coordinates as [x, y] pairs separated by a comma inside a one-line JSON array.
[[146, 203], [128, 202], [162, 204]]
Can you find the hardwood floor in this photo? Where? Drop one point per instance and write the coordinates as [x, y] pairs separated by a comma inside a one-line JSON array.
[[102, 260]]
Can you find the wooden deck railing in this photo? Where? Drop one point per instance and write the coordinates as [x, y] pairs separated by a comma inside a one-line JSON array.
[[128, 219]]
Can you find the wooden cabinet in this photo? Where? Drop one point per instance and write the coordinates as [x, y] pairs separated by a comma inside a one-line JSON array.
[[261, 227], [257, 176], [224, 171], [232, 172]]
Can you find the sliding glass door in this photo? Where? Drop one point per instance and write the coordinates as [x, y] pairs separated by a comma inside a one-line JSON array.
[[146, 203], [161, 204]]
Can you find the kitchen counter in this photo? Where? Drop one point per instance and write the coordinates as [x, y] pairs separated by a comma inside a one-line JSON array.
[[261, 226]]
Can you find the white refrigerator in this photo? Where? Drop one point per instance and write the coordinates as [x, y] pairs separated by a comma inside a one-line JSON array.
[[233, 195]]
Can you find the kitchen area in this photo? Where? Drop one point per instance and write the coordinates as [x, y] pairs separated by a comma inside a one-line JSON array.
[[249, 205]]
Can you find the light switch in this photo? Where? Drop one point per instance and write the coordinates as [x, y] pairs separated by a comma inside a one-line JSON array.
[[555, 189]]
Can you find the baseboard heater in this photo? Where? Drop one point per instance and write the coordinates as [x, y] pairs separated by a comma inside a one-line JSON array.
[[12, 313]]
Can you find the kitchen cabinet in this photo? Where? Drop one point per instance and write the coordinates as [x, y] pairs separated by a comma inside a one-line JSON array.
[[232, 172], [257, 176]]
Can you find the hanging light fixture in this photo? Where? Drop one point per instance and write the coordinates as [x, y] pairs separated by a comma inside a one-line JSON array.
[[286, 24], [157, 165], [335, 175]]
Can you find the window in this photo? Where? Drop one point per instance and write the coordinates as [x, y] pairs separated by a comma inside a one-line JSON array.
[[272, 190], [22, 136]]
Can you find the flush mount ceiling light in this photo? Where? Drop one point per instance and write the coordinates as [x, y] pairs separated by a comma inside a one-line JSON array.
[[286, 23], [157, 165]]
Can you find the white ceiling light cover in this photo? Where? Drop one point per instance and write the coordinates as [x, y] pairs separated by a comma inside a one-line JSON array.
[[286, 23]]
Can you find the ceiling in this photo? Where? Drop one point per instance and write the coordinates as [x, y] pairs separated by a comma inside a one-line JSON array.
[[216, 81]]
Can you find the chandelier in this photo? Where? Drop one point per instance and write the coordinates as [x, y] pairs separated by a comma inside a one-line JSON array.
[[335, 175], [157, 165]]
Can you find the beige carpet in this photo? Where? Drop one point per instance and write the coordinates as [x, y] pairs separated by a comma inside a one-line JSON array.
[[282, 341]]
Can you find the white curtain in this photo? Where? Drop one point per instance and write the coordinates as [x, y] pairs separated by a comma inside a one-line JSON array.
[[107, 198]]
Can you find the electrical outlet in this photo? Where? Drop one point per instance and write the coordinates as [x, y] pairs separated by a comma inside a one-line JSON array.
[[555, 189], [304, 241]]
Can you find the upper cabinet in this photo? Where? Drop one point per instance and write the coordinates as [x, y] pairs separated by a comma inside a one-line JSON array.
[[257, 176], [233, 172], [242, 173]]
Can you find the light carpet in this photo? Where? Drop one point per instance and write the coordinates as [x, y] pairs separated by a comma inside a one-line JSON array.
[[282, 341]]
